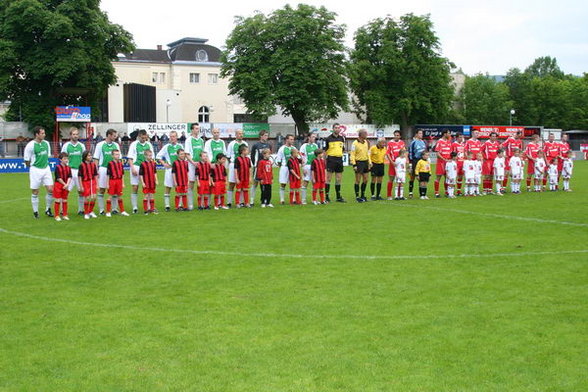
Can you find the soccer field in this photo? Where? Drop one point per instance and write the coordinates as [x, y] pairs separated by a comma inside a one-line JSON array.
[[470, 294]]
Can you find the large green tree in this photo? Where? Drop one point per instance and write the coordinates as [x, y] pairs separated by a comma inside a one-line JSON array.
[[56, 52], [485, 101], [292, 59], [397, 73]]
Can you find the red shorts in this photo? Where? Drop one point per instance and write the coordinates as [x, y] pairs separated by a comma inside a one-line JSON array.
[[391, 169], [242, 185], [530, 167], [559, 165], [487, 167], [507, 164], [318, 185], [459, 168], [89, 188], [59, 192], [115, 187], [220, 188], [440, 167], [204, 187], [148, 191], [294, 183], [182, 189]]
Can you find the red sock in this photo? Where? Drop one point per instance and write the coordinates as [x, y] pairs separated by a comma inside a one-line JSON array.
[[298, 200], [445, 187], [205, 201], [108, 205], [177, 202], [246, 195], [92, 205], [86, 207], [152, 204], [64, 208], [390, 189], [313, 195], [504, 182], [238, 197], [437, 187], [528, 182], [222, 200], [199, 200], [121, 205], [145, 205], [291, 197], [459, 182], [545, 181], [57, 206], [322, 193]]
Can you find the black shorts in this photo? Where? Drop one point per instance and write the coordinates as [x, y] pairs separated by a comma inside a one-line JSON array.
[[414, 165], [424, 177], [335, 164], [378, 170], [362, 167]]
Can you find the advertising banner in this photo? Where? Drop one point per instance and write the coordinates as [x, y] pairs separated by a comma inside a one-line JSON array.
[[351, 130], [584, 149], [18, 165], [73, 114], [251, 130], [158, 128], [227, 130], [504, 132]]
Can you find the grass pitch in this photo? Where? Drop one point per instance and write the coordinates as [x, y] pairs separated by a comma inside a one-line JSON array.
[[477, 294]]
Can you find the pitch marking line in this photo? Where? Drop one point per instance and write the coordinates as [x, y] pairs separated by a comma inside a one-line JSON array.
[[13, 200], [539, 220], [292, 256]]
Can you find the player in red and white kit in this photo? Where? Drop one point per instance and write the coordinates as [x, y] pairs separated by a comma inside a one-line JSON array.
[[564, 148], [509, 146], [489, 152], [392, 151], [458, 147], [473, 145], [551, 149], [443, 149], [531, 156], [318, 170]]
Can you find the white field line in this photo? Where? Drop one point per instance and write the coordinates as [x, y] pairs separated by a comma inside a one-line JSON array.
[[13, 200], [289, 255]]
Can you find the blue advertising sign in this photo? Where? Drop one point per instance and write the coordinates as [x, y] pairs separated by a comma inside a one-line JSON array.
[[18, 165], [435, 131], [73, 114]]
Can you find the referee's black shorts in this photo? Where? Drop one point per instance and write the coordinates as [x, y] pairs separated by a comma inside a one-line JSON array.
[[362, 167], [378, 169], [335, 164]]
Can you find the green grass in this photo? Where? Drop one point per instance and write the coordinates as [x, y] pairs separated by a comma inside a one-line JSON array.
[[87, 318]]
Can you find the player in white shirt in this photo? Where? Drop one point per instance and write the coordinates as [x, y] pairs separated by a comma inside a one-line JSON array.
[[135, 157], [540, 166], [499, 166], [284, 154], [75, 149], [233, 154], [516, 171], [451, 174], [469, 173], [478, 176], [102, 157], [553, 175], [400, 165], [166, 157], [566, 171]]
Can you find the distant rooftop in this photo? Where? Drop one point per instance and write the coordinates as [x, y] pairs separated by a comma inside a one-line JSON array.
[[185, 50]]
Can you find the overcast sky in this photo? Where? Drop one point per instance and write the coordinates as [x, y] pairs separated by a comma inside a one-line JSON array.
[[478, 36]]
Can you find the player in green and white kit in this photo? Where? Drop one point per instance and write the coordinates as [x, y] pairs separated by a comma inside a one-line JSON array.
[[233, 153], [284, 154], [36, 157], [194, 147], [103, 156], [136, 156], [215, 146], [74, 150], [307, 151], [167, 156]]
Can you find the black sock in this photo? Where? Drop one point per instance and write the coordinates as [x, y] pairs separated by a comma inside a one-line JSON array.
[[356, 187], [363, 186], [327, 188], [372, 188], [410, 186], [338, 190], [378, 189]]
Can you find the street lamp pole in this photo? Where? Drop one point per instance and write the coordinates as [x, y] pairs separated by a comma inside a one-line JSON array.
[[511, 113], [167, 105]]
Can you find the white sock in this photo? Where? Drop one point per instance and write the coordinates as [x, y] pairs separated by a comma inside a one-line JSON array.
[[114, 203], [134, 198], [190, 198], [166, 200], [48, 201], [35, 202], [282, 192], [252, 194], [566, 184], [230, 198], [80, 203], [450, 191], [303, 194], [498, 186], [101, 202]]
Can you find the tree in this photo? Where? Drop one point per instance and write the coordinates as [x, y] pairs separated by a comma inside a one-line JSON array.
[[543, 67], [397, 73], [56, 52], [485, 101], [292, 59]]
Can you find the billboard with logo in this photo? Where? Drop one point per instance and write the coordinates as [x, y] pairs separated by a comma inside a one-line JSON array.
[[73, 114]]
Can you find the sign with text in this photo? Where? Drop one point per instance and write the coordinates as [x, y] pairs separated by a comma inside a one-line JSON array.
[[18, 165], [159, 128], [73, 114], [351, 130]]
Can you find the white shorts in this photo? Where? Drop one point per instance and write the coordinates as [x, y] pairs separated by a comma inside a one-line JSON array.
[[191, 172], [39, 177], [478, 179], [75, 180], [470, 179], [538, 176], [135, 180], [553, 180], [498, 178], [168, 180], [284, 174], [451, 180], [517, 176], [232, 173], [400, 177], [306, 173], [102, 178]]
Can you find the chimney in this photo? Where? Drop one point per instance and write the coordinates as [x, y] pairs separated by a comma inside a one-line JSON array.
[[159, 47]]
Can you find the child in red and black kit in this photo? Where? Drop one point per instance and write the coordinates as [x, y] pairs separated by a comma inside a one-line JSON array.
[[148, 174], [205, 183], [294, 179], [266, 176], [180, 173], [219, 177], [60, 190], [88, 174], [242, 176], [318, 170], [115, 173]]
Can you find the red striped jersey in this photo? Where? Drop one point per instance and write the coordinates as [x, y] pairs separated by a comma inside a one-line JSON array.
[[115, 170], [264, 171], [490, 149], [443, 148], [459, 148], [87, 171], [563, 149], [318, 170], [180, 171], [551, 150], [394, 148], [294, 166], [63, 172], [243, 168], [148, 170], [203, 170], [532, 150], [219, 173], [473, 146], [510, 145]]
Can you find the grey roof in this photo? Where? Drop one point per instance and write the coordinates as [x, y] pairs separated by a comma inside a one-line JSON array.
[[184, 50]]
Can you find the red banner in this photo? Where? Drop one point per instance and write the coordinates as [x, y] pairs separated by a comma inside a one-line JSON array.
[[503, 132]]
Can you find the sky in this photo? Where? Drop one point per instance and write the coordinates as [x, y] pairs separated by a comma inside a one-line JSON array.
[[477, 36]]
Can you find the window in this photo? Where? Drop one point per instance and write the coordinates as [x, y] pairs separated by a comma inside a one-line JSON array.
[[201, 56], [162, 77], [154, 77], [194, 78], [212, 78], [203, 114]]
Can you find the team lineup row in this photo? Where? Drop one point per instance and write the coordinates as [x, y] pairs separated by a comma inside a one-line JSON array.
[[205, 165]]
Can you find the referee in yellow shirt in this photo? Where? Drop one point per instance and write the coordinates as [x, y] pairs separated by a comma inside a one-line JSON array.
[[334, 146], [360, 160], [377, 155]]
